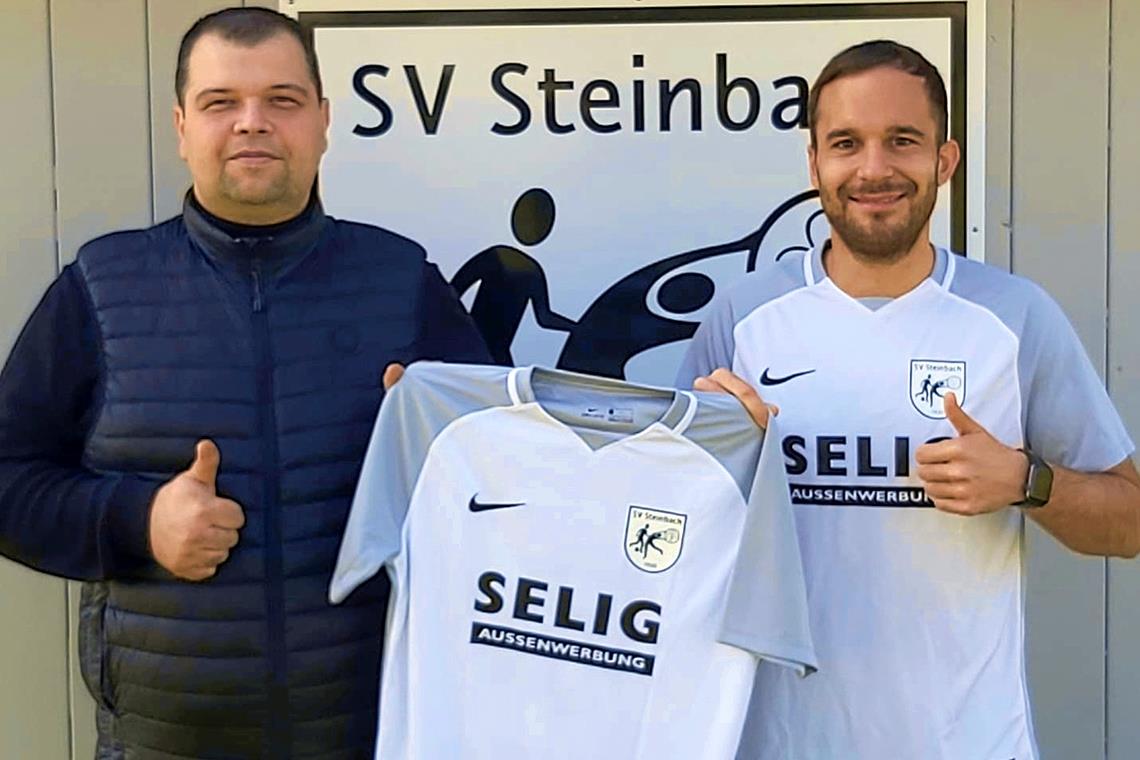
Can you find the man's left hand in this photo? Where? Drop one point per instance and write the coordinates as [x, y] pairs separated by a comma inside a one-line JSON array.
[[974, 473]]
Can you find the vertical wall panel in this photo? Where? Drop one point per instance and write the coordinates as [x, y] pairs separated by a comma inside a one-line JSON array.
[[27, 226], [999, 131], [1060, 174], [168, 21], [103, 178], [102, 131], [1124, 364], [33, 636]]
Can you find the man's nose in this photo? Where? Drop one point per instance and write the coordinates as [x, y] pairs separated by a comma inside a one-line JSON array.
[[252, 118], [875, 163]]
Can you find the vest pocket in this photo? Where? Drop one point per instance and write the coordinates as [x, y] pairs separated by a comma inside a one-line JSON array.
[[93, 648]]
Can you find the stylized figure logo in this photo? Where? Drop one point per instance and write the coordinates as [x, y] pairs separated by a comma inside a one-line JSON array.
[[509, 279], [655, 305], [929, 382], [646, 541], [658, 303], [654, 530]]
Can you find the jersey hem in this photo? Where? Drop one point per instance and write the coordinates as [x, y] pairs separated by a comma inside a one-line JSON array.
[[799, 658]]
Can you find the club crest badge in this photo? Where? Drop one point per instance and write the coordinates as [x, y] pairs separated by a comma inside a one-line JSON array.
[[653, 538], [930, 380]]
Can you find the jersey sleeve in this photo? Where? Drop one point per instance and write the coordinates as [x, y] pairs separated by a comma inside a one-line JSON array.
[[711, 347], [427, 399], [1069, 418], [766, 606], [404, 430]]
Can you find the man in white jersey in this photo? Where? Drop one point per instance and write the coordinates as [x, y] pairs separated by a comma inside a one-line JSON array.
[[927, 403]]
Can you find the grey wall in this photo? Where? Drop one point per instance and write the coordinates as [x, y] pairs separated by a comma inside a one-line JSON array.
[[1123, 363], [89, 148], [1059, 239]]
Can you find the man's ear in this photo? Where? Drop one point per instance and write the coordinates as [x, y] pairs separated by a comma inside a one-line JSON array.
[[180, 129], [948, 157], [811, 166], [325, 115]]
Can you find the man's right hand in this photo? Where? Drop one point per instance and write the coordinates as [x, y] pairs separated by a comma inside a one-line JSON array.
[[392, 374], [191, 529]]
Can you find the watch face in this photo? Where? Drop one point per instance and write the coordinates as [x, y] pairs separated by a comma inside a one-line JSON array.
[[1039, 483]]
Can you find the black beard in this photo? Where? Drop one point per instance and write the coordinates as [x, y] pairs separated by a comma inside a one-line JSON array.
[[882, 244]]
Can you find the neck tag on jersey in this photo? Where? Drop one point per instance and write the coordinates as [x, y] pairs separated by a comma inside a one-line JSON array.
[[616, 415]]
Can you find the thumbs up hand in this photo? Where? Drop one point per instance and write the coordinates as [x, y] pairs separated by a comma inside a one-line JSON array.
[[191, 529], [974, 473]]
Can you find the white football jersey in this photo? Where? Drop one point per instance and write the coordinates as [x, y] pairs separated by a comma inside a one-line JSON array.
[[581, 568], [916, 614]]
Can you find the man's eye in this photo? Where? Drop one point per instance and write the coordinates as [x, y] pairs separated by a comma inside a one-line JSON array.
[[843, 144], [904, 141], [283, 100], [216, 104]]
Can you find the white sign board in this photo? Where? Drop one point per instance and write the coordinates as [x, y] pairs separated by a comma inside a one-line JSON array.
[[589, 180]]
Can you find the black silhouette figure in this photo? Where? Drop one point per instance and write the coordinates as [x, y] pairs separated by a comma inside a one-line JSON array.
[[931, 391], [646, 541], [619, 325], [510, 279], [924, 391]]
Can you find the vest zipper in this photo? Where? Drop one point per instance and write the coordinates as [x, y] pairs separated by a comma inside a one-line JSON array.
[[256, 273], [277, 728]]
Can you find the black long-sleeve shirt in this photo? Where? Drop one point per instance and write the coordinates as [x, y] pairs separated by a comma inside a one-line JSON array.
[[55, 515]]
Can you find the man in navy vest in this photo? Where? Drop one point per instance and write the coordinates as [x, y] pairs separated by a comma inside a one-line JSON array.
[[183, 419]]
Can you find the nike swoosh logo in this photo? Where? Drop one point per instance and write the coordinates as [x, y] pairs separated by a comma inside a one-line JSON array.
[[767, 379], [481, 506]]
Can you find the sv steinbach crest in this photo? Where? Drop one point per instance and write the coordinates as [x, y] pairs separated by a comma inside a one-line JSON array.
[[653, 538], [930, 380]]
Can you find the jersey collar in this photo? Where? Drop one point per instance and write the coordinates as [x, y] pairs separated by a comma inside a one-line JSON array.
[[520, 387], [942, 275]]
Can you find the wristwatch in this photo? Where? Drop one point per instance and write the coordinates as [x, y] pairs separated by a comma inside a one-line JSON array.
[[1038, 482]]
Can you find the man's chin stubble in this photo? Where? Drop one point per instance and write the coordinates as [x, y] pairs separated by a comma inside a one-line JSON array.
[[877, 249]]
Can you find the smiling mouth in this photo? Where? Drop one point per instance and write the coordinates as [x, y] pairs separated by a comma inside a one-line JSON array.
[[877, 200]]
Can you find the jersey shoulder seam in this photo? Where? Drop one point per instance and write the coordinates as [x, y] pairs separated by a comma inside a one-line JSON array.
[[771, 303], [988, 312], [718, 465]]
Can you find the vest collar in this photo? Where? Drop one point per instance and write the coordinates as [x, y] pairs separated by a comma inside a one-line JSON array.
[[272, 249]]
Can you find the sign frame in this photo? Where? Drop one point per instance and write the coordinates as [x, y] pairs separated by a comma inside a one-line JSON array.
[[967, 48]]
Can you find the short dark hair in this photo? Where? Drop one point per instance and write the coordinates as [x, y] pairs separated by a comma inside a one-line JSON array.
[[875, 54], [244, 26]]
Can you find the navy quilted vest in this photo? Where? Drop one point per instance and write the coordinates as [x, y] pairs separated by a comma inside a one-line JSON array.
[[275, 350]]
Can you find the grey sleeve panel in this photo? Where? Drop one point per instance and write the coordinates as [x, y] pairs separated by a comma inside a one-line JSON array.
[[714, 344], [1066, 413], [426, 400], [765, 609], [723, 428]]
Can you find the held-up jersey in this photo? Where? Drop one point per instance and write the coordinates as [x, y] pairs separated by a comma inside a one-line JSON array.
[[917, 615], [581, 568]]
